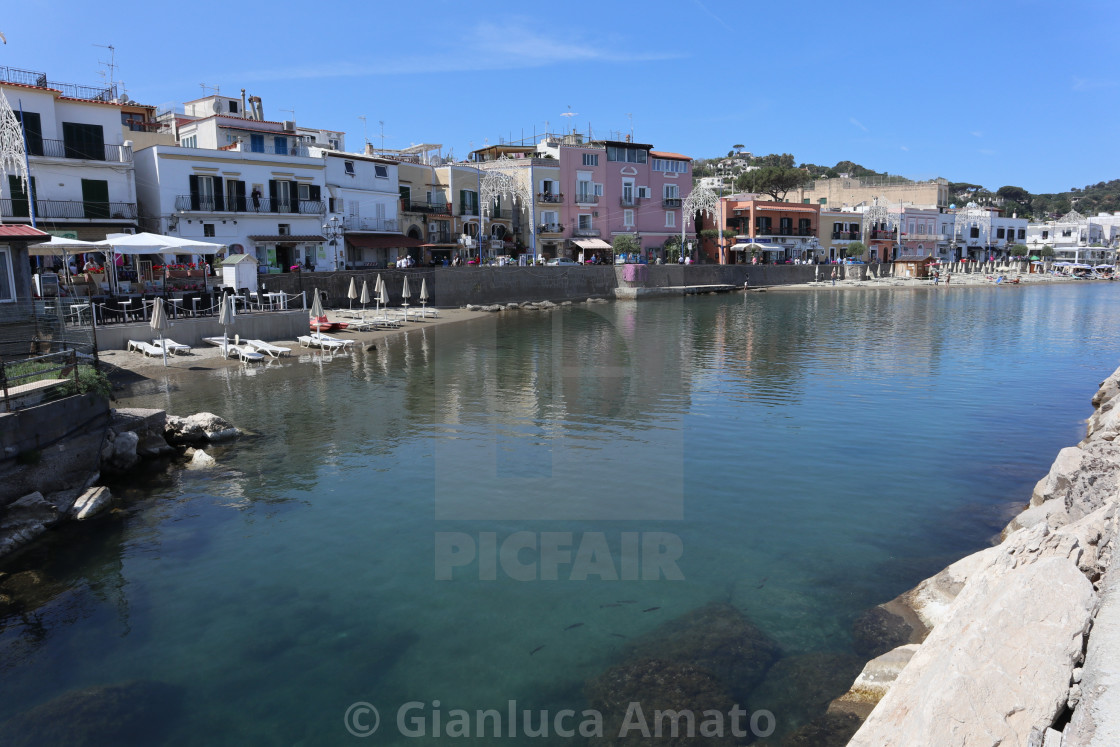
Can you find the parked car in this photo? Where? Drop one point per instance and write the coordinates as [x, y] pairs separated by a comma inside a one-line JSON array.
[[562, 262]]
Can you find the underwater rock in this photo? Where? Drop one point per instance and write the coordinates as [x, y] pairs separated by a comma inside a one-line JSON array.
[[878, 631], [799, 688]]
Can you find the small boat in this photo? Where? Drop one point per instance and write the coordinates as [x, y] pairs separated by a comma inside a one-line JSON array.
[[321, 324]]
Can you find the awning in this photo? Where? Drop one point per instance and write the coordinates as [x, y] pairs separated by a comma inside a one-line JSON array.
[[369, 241], [277, 239], [592, 244], [22, 233], [756, 247]]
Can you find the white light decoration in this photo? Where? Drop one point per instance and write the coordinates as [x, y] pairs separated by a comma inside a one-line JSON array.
[[973, 216], [12, 156], [700, 200], [500, 178], [881, 215]]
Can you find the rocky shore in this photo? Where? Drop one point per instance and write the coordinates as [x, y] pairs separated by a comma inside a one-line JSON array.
[[131, 435], [996, 649]]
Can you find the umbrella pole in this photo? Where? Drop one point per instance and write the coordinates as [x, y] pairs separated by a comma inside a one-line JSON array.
[[163, 347]]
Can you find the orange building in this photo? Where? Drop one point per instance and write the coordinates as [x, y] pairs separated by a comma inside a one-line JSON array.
[[773, 232]]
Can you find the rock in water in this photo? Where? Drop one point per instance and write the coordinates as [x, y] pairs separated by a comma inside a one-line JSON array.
[[201, 460], [878, 630], [93, 501], [135, 712], [24, 520], [658, 685], [197, 428], [798, 689]]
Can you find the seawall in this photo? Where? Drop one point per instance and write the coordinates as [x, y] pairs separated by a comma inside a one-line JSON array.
[[996, 648]]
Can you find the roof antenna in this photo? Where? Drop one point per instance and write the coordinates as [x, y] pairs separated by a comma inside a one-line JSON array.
[[569, 114], [111, 64]]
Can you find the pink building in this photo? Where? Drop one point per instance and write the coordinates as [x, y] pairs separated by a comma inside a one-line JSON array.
[[616, 187]]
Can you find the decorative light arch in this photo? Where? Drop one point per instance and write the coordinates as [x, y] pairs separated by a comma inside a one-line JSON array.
[[877, 215], [500, 178], [12, 155], [700, 200], [973, 216]]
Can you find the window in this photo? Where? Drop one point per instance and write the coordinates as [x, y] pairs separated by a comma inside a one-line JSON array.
[[284, 229], [1000, 233], [381, 171], [235, 195], [348, 167], [304, 192], [585, 188], [643, 193], [468, 202], [233, 104], [7, 279], [823, 200], [625, 155], [666, 165], [33, 131], [671, 192], [584, 222], [805, 201], [628, 218], [670, 219], [1022, 233], [208, 230], [256, 143], [335, 143], [281, 145], [590, 159], [83, 141], [190, 142]]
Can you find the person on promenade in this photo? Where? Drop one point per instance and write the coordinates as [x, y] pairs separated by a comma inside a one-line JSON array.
[[834, 276], [948, 277]]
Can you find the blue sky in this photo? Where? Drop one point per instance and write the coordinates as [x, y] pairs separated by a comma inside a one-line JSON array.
[[1015, 92]]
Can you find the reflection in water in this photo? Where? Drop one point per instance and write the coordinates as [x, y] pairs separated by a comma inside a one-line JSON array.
[[813, 453]]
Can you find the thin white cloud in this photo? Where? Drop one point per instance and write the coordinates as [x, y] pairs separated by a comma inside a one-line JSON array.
[[977, 133], [1092, 84], [488, 46], [713, 15], [858, 124], [903, 147]]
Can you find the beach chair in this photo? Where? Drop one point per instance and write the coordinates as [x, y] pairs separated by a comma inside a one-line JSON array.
[[246, 354], [273, 351], [173, 347], [140, 346], [328, 342]]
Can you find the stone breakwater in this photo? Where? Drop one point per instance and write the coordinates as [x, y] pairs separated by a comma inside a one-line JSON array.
[[993, 649], [130, 436]]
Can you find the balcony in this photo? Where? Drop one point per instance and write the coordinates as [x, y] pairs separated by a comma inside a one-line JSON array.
[[785, 231], [269, 150], [629, 202], [586, 233], [200, 204], [671, 202], [880, 233], [550, 228], [493, 214], [83, 151], [434, 208], [384, 225], [586, 198], [468, 210], [440, 237], [69, 209], [845, 235], [550, 197]]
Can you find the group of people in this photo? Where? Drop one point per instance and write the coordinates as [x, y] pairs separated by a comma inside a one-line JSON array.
[[405, 262]]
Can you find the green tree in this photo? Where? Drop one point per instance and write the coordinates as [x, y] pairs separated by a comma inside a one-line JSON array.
[[775, 181], [625, 243], [1014, 194], [1019, 250], [855, 249], [1046, 251]]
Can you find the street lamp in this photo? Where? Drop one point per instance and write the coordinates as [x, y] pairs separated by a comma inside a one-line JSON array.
[[332, 229]]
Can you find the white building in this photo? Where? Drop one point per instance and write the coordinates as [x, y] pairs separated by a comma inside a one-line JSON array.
[[81, 165], [1073, 237], [263, 204]]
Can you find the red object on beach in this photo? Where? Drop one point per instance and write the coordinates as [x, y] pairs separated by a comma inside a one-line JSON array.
[[322, 325]]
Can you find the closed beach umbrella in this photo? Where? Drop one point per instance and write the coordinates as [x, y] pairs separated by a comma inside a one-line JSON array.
[[424, 292], [226, 319], [365, 297], [377, 286], [159, 324], [317, 308], [353, 292], [405, 294], [384, 297]]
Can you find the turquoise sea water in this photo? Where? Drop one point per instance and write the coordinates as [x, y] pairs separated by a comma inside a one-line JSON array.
[[808, 454]]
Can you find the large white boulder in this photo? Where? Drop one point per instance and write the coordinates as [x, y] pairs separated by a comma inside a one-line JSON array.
[[198, 428], [92, 502], [997, 668]]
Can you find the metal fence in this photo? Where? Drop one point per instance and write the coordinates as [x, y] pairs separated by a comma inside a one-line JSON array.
[[36, 345]]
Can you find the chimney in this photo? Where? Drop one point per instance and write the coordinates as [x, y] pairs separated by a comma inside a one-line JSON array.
[[244, 114]]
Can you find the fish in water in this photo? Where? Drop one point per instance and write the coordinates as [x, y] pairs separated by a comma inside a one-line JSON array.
[[574, 625], [618, 635], [651, 609], [763, 582], [538, 648], [616, 604], [627, 601]]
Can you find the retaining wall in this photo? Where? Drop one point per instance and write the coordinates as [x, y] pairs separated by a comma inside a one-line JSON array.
[[271, 325]]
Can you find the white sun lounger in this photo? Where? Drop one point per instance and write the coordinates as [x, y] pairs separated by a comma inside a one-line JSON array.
[[384, 321], [172, 346], [246, 354], [326, 341], [140, 346], [309, 341], [264, 347]]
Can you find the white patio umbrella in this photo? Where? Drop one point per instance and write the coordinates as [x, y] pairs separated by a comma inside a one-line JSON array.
[[317, 306], [377, 286], [405, 295], [365, 298], [384, 297], [226, 318], [58, 246], [353, 292], [159, 324], [424, 294]]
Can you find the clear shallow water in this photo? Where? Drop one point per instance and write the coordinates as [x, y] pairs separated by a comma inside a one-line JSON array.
[[815, 454]]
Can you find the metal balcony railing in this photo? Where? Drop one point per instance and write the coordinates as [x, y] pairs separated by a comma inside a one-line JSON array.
[[586, 232], [550, 197], [84, 151], [671, 202], [550, 228], [39, 80], [846, 235], [586, 198], [357, 223], [272, 150], [440, 237], [200, 204], [437, 208], [17, 208], [879, 233]]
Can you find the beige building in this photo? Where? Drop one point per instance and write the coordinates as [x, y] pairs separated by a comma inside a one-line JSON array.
[[838, 229], [838, 193]]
